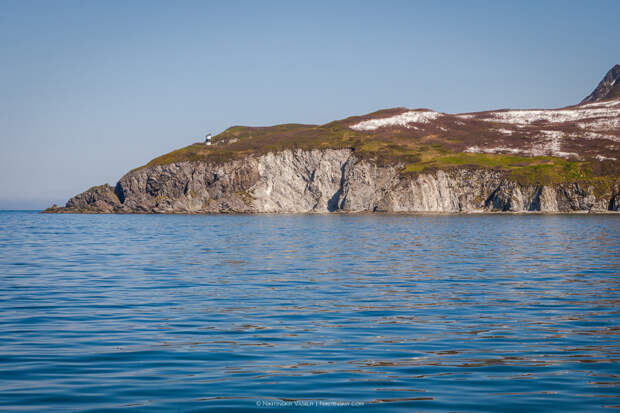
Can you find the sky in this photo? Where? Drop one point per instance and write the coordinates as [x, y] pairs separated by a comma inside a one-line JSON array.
[[92, 89]]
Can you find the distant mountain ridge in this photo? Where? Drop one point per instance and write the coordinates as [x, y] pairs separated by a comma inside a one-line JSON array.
[[608, 88], [392, 160]]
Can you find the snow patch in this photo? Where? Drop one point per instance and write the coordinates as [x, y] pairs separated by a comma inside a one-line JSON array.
[[550, 145], [597, 117], [601, 124], [594, 135], [499, 149], [604, 104], [604, 158], [402, 120]]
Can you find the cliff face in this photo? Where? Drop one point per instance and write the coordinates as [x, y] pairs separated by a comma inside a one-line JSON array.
[[330, 180]]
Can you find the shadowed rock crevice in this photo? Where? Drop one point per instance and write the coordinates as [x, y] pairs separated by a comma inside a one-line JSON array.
[[118, 191], [334, 202], [499, 200], [614, 202], [535, 203]]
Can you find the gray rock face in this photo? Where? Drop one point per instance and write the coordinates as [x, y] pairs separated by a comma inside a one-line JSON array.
[[189, 187], [299, 181], [97, 199], [322, 181], [606, 87]]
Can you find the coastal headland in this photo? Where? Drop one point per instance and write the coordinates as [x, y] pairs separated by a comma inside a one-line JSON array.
[[395, 160]]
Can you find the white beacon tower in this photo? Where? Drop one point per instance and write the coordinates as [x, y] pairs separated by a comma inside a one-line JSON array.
[[208, 139]]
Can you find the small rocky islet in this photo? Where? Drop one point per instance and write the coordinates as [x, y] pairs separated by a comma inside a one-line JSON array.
[[394, 160]]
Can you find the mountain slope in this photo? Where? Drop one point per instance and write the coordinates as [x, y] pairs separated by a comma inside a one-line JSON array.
[[608, 88]]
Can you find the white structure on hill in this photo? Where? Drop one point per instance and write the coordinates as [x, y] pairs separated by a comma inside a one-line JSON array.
[[208, 139]]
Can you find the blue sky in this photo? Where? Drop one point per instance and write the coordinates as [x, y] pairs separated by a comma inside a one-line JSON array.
[[92, 89]]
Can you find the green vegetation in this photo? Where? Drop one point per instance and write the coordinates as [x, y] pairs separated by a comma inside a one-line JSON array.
[[416, 151], [192, 153], [539, 169], [101, 188], [525, 170], [239, 141]]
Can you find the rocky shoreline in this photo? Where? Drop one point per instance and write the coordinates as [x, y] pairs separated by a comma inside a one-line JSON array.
[[332, 181]]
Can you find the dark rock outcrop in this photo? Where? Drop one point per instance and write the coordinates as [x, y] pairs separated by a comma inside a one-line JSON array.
[[98, 199], [608, 88]]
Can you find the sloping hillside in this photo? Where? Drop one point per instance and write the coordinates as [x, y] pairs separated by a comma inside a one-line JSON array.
[[551, 144]]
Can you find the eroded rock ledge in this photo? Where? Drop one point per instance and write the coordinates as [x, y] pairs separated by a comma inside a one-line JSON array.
[[330, 180]]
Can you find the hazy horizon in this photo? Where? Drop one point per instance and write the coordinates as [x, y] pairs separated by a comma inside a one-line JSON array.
[[92, 90]]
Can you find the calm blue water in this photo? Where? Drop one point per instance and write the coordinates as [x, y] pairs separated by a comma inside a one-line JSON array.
[[300, 313]]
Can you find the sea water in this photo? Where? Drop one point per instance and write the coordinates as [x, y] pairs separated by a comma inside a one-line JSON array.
[[473, 313]]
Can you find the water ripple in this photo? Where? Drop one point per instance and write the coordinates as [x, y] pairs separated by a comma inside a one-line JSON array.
[[397, 313]]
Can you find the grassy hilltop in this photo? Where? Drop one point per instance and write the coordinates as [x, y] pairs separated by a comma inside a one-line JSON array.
[[439, 144]]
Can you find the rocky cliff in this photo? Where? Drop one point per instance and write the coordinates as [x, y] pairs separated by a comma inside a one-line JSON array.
[[321, 181]]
